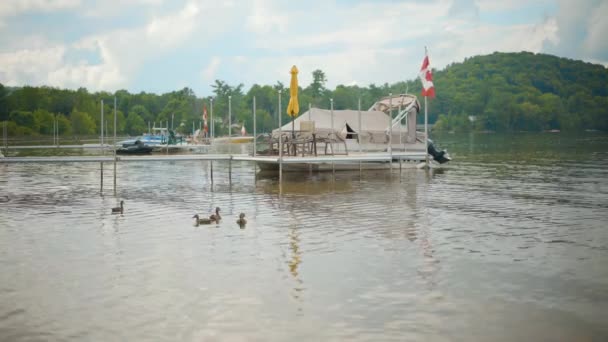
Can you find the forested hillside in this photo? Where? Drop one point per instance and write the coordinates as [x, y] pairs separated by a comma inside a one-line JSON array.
[[522, 92], [498, 92]]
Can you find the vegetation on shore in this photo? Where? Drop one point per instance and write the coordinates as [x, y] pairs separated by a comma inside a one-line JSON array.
[[501, 92]]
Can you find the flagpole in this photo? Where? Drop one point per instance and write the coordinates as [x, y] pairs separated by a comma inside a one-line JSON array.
[[426, 133]]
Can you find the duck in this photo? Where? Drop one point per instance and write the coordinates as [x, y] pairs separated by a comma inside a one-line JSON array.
[[203, 220], [119, 210], [241, 221], [216, 216]]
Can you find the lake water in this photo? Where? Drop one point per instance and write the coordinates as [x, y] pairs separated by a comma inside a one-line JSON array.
[[509, 242]]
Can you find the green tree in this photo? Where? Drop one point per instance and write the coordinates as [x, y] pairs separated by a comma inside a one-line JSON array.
[[135, 124], [45, 121], [82, 123]]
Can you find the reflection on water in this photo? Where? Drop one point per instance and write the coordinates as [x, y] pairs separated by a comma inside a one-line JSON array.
[[508, 242]]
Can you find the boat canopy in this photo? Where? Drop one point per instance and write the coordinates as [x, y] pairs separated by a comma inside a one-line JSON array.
[[374, 122]]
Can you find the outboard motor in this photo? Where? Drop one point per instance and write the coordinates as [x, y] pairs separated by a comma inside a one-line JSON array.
[[439, 156]]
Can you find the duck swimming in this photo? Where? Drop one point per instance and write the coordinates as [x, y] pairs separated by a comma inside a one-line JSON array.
[[119, 210], [241, 221], [216, 216], [203, 220]]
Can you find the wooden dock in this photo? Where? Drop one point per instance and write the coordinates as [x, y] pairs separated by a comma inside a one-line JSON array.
[[280, 164]]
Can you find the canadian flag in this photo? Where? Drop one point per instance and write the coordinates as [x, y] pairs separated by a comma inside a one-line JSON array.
[[426, 76]]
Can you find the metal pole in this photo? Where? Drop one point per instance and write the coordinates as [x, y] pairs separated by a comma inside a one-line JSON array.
[[212, 128], [309, 109], [54, 129], [426, 134], [102, 150], [229, 118], [172, 117], [333, 165], [359, 134], [101, 122], [211, 164], [230, 170], [280, 145], [57, 133], [255, 138], [114, 145], [398, 114], [390, 124], [193, 128]]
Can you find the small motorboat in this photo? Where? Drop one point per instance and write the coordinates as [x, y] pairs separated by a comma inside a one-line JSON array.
[[134, 147]]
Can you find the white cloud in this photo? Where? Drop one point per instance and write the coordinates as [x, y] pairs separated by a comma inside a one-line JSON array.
[[265, 18], [14, 7], [596, 43], [358, 43], [501, 6], [581, 27], [170, 30], [9, 8], [23, 65], [209, 73], [108, 8], [464, 9], [121, 52], [384, 42]]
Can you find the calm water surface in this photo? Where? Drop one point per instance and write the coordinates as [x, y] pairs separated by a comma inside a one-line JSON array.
[[509, 242]]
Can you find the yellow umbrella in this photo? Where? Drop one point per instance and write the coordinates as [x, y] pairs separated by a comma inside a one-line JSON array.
[[293, 108]]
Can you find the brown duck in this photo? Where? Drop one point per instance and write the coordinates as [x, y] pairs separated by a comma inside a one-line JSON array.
[[119, 210]]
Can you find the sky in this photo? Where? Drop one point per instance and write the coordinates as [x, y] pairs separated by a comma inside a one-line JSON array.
[[165, 45]]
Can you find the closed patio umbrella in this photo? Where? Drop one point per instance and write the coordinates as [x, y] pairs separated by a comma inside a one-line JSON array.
[[293, 108]]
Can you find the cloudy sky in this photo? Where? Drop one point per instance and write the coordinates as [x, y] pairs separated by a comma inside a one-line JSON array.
[[164, 45]]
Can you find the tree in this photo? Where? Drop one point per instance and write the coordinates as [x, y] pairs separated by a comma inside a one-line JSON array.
[[318, 83], [135, 124], [64, 125], [82, 123], [3, 103], [45, 121]]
